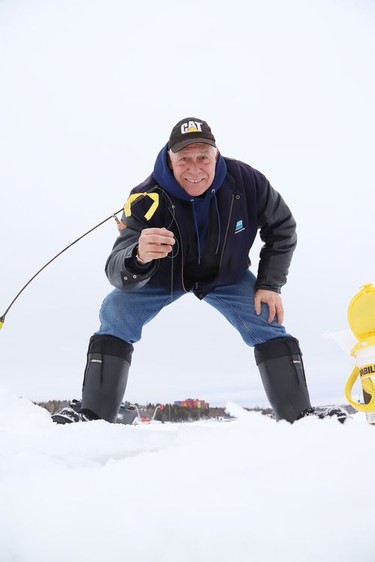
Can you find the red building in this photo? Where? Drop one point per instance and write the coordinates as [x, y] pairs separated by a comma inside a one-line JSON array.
[[192, 403]]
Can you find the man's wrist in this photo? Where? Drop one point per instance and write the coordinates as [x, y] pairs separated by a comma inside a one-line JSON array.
[[140, 260]]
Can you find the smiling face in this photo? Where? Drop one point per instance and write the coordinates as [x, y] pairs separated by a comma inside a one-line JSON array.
[[193, 167]]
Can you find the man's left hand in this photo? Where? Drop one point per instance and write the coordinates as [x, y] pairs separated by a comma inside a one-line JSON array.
[[275, 304]]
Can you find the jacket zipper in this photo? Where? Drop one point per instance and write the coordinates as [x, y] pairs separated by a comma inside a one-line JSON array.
[[196, 286], [226, 231]]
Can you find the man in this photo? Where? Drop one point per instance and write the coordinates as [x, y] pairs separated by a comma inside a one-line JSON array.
[[189, 227]]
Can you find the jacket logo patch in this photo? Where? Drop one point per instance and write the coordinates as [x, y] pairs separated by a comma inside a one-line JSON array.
[[239, 226]]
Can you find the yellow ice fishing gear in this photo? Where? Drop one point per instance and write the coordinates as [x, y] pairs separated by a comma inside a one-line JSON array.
[[134, 196], [361, 317]]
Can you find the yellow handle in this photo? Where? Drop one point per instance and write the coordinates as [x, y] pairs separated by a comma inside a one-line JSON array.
[[368, 387], [134, 196]]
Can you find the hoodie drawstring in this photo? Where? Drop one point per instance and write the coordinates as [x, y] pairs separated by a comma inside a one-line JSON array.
[[196, 226], [218, 221]]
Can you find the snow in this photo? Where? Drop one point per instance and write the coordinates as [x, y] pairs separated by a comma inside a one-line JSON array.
[[252, 489], [81, 123]]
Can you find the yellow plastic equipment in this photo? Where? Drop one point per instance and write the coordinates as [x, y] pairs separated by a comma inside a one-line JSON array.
[[361, 317]]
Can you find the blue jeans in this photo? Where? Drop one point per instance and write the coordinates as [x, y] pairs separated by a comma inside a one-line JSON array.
[[123, 314]]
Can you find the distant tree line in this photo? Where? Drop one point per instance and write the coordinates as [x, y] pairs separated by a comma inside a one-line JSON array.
[[168, 413], [164, 413], [53, 405], [174, 413]]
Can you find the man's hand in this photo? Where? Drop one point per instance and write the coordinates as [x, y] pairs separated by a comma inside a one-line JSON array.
[[155, 243], [275, 304]]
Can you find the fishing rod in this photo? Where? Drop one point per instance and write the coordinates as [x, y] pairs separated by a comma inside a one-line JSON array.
[[120, 226]]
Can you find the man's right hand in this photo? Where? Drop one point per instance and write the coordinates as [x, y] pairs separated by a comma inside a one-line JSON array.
[[154, 244]]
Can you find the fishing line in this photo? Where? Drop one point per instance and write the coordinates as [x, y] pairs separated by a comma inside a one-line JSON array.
[[120, 226], [113, 216], [176, 248]]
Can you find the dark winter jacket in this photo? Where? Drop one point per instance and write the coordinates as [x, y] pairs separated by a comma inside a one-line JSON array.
[[214, 232]]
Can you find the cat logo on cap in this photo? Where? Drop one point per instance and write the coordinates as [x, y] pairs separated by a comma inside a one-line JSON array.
[[191, 127]]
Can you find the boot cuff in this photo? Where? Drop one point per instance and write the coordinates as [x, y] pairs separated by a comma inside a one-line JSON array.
[[277, 347], [110, 345]]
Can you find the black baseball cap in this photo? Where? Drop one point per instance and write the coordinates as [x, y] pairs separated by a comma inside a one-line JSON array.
[[190, 130]]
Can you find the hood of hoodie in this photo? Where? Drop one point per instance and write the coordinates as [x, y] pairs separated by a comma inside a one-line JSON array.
[[165, 178]]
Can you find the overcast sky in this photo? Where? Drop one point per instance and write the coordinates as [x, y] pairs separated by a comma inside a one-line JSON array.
[[89, 93]]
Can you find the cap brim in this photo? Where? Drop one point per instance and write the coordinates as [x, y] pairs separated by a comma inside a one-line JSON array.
[[180, 145]]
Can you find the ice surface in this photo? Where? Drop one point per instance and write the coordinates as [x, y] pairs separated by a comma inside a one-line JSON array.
[[251, 489]]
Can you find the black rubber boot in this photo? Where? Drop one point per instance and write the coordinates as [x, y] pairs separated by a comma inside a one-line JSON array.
[[280, 365], [106, 375]]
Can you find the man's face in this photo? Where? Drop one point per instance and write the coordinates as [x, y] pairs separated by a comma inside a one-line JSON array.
[[193, 167]]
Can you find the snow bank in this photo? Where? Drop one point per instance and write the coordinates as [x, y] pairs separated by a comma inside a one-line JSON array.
[[252, 489]]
